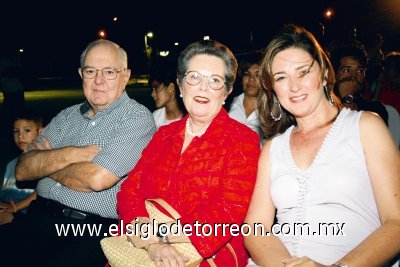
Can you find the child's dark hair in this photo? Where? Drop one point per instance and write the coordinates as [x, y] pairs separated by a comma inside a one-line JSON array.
[[29, 115]]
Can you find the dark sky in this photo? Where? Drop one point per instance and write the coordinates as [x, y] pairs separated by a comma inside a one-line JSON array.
[[53, 35]]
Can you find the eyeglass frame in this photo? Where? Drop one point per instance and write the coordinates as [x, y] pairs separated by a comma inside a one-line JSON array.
[[102, 73], [205, 76]]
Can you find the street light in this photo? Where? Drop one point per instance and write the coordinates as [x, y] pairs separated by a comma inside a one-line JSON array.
[[102, 34], [328, 14], [146, 46], [148, 50]]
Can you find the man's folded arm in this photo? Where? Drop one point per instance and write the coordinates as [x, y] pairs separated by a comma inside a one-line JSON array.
[[86, 177], [36, 164]]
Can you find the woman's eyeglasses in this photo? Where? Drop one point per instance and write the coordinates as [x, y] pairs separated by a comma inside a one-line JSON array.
[[215, 82]]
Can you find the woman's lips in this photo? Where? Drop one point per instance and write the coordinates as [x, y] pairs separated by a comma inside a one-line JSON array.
[[298, 99], [201, 100]]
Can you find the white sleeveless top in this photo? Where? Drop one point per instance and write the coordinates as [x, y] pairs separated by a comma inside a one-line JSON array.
[[335, 190]]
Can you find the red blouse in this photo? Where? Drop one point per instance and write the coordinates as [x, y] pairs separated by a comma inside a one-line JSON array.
[[211, 181], [390, 96]]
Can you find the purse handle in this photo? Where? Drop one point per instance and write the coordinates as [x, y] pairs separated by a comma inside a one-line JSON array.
[[166, 206], [176, 216]]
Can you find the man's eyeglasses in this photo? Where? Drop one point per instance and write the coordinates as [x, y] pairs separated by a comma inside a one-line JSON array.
[[215, 82], [108, 73]]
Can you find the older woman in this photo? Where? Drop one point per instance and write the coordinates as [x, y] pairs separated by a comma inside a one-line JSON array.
[[204, 165], [330, 174]]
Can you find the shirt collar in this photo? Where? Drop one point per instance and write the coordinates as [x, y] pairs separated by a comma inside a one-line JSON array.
[[85, 107]]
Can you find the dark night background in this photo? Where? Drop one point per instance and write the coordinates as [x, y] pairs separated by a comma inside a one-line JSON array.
[[54, 34]]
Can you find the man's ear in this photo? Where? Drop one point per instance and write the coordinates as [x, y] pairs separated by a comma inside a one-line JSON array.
[[80, 72], [127, 75]]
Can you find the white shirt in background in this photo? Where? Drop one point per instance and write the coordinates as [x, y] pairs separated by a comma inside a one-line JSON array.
[[238, 113], [160, 117]]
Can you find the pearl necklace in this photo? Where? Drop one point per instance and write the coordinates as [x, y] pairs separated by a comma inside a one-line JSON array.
[[189, 130]]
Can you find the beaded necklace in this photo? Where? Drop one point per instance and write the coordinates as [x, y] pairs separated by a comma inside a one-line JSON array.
[[189, 130]]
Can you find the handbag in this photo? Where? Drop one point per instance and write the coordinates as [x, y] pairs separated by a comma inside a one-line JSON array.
[[121, 253]]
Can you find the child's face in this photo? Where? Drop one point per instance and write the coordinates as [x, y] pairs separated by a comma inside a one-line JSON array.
[[24, 132]]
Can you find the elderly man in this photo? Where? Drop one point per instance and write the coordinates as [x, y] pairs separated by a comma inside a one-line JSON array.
[[80, 160]]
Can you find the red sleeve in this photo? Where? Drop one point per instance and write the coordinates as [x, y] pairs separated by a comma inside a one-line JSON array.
[[130, 200], [230, 204]]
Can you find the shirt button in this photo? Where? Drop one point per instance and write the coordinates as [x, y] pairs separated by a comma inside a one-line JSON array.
[[58, 184], [93, 123]]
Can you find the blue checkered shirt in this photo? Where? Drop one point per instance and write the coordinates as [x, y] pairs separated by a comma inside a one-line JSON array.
[[122, 131]]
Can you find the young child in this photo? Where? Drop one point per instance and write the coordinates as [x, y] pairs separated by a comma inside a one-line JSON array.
[[27, 125]]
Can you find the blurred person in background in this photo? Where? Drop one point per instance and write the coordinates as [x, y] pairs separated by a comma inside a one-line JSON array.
[[244, 106], [14, 201], [165, 93], [389, 81], [350, 63]]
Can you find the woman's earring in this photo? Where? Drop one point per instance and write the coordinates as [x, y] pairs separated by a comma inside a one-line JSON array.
[[223, 103], [276, 102], [180, 95], [328, 96]]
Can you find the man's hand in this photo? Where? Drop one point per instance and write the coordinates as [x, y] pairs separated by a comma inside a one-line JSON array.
[[42, 143], [7, 207], [348, 86]]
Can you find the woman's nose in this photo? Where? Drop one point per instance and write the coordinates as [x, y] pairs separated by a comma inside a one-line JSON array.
[[294, 85], [204, 84]]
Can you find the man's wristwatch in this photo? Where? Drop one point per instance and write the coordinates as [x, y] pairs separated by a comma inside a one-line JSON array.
[[339, 264], [348, 99]]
